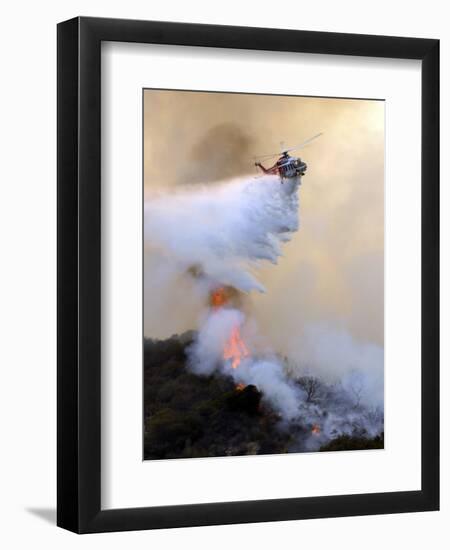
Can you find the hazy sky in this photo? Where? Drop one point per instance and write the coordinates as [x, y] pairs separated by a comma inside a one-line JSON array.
[[332, 270]]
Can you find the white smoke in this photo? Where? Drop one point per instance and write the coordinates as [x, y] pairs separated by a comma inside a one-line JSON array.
[[333, 355], [204, 237], [207, 350], [268, 376], [265, 372], [224, 231]]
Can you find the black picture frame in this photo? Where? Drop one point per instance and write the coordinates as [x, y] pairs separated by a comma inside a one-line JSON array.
[[79, 275]]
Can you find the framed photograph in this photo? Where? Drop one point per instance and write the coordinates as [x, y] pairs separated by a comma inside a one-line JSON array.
[[248, 275]]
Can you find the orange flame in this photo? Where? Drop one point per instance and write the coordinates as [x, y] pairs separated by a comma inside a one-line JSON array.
[[315, 429], [239, 387], [235, 348], [218, 297]]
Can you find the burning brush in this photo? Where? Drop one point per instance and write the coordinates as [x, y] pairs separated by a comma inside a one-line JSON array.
[[220, 345], [315, 430], [235, 349]]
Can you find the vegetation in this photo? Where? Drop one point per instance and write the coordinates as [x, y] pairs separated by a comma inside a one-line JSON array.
[[187, 415], [353, 443]]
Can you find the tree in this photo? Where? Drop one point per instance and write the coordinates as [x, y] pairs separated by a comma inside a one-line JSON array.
[[310, 384]]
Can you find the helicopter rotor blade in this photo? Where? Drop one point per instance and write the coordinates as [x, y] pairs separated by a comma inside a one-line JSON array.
[[304, 143], [265, 157], [299, 146]]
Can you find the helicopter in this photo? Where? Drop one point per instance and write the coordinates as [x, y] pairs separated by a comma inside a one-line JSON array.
[[286, 166]]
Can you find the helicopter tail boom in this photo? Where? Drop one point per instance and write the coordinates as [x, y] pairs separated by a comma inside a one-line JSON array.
[[272, 170]]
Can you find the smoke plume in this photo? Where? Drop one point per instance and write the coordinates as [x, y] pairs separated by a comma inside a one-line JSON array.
[[207, 237], [263, 371], [223, 232]]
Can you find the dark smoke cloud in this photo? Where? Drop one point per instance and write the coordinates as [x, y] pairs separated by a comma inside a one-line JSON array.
[[223, 152]]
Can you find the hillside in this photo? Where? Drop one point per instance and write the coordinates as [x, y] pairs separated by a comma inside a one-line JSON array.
[[187, 416]]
